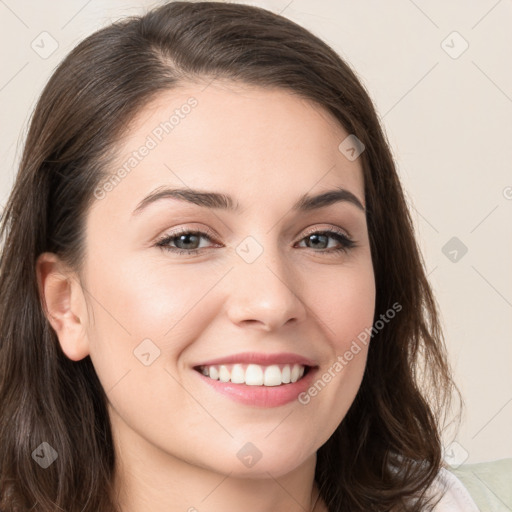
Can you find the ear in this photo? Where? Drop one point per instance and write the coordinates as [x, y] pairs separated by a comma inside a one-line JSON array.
[[64, 304]]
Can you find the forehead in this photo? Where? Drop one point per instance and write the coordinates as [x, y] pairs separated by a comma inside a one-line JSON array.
[[227, 136]]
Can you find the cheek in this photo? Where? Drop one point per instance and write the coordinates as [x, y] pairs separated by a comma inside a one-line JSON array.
[[347, 305], [136, 300], [144, 317], [148, 299], [346, 311]]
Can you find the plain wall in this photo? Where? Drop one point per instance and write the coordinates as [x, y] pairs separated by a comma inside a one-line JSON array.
[[447, 112]]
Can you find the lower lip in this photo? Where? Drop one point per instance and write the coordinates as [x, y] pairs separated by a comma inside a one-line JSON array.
[[262, 396]]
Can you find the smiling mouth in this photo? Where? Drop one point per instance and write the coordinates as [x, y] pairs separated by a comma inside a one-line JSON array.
[[255, 374]]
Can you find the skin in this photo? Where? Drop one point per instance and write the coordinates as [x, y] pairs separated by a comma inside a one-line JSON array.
[[177, 439]]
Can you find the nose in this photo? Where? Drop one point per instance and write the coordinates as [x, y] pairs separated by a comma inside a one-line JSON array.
[[265, 293]]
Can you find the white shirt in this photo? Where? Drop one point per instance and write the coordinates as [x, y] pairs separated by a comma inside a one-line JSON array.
[[456, 498]]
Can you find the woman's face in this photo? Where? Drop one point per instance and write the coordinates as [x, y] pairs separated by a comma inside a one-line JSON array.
[[259, 280]]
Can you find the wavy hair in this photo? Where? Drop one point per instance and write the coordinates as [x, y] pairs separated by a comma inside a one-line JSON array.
[[387, 450]]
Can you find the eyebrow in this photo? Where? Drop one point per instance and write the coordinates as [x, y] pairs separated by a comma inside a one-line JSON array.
[[216, 200]]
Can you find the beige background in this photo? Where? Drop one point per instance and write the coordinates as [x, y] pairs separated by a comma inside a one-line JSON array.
[[447, 112]]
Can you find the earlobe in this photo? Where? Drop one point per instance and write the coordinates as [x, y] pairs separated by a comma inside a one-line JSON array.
[[63, 304]]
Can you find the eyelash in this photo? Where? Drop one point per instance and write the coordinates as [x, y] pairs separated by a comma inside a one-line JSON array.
[[346, 243]]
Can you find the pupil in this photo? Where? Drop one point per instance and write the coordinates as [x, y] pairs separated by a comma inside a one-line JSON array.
[[316, 237], [182, 237]]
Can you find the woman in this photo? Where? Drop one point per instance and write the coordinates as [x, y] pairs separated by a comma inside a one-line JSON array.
[[211, 294]]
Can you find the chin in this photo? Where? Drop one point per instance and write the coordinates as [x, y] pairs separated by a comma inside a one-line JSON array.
[[259, 459]]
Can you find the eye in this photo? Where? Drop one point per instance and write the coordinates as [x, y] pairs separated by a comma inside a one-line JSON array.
[[320, 240], [186, 240]]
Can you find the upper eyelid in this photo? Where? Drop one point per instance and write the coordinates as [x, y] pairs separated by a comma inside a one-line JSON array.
[[330, 227]]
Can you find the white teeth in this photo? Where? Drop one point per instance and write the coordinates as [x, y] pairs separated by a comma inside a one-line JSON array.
[[224, 374], [285, 374], [272, 376], [295, 373], [213, 372], [237, 374], [255, 374]]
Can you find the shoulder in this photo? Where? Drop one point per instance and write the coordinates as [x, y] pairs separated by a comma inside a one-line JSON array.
[[454, 496]]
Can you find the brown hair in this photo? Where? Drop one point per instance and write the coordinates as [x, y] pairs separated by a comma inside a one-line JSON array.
[[388, 446]]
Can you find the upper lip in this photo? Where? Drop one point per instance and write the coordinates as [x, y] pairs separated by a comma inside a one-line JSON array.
[[261, 359]]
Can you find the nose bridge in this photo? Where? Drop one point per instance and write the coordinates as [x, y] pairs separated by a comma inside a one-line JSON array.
[[264, 287]]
